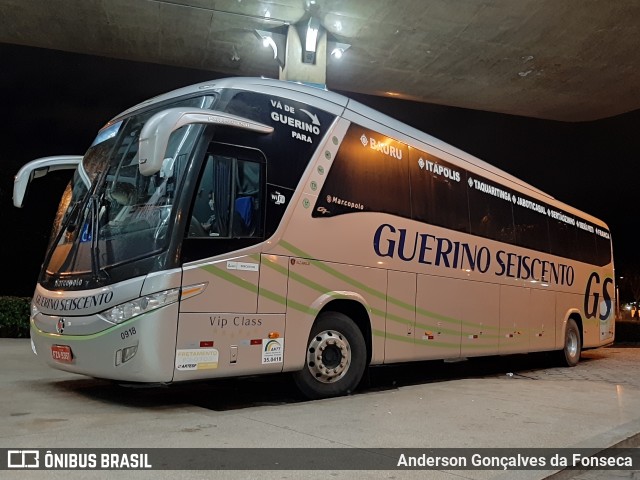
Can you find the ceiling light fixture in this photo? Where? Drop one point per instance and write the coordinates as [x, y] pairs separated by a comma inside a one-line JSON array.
[[337, 49], [309, 37], [312, 38], [276, 41]]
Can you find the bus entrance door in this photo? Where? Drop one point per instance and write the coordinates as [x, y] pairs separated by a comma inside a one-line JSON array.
[[222, 325], [401, 317]]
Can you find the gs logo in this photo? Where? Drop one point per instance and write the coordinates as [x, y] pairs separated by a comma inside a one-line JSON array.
[[592, 296]]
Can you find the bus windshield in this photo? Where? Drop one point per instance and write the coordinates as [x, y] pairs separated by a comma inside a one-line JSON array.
[[110, 213]]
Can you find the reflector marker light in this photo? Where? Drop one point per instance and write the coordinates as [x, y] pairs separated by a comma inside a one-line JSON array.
[[193, 290]]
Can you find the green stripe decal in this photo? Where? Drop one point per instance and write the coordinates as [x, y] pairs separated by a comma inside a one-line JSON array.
[[218, 272], [335, 273], [289, 303], [425, 313], [224, 275]]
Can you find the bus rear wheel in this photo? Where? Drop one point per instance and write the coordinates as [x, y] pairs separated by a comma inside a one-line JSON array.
[[570, 353], [335, 358]]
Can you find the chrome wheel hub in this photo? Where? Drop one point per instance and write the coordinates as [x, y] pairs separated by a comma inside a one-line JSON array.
[[572, 344], [328, 356]]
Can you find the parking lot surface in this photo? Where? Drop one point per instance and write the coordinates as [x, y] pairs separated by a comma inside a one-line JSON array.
[[521, 402]]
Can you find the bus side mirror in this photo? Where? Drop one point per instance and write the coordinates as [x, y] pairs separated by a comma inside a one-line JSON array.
[[154, 137], [39, 168]]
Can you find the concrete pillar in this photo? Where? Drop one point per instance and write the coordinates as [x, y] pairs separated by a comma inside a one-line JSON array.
[[295, 69]]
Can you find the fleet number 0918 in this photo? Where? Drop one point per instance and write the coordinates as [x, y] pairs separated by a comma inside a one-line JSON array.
[[130, 332]]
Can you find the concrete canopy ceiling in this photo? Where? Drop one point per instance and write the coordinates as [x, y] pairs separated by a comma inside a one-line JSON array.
[[568, 60]]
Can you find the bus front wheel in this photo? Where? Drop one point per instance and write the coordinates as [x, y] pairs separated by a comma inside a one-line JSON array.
[[335, 358], [570, 353]]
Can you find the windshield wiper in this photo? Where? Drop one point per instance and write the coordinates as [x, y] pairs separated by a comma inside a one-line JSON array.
[[96, 270]]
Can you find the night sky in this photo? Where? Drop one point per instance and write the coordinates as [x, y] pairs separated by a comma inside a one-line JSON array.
[[53, 103]]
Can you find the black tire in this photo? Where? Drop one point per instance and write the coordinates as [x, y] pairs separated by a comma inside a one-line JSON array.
[[570, 354], [335, 360]]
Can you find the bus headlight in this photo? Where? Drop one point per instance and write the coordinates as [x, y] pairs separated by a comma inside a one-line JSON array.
[[125, 311]]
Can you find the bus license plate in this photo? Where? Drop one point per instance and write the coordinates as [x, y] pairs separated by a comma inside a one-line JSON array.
[[61, 353]]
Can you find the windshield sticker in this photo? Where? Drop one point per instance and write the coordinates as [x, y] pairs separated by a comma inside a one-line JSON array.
[[109, 131]]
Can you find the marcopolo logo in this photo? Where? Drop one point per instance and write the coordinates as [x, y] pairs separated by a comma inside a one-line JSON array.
[[345, 203]]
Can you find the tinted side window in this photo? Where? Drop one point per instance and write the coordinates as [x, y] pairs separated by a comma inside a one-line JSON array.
[[585, 244], [603, 247], [228, 199], [228, 210], [370, 174], [563, 238], [490, 210], [374, 173], [438, 191], [531, 225]]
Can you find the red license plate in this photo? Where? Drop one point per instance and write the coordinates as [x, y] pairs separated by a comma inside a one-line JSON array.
[[61, 353]]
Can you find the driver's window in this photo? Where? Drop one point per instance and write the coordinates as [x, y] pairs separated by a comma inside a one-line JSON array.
[[228, 199]]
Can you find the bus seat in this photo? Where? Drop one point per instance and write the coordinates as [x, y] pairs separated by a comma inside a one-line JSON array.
[[244, 215]]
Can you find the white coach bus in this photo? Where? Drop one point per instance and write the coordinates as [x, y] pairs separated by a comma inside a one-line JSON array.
[[247, 226]]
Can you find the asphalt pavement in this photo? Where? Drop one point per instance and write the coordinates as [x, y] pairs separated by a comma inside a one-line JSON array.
[[520, 402]]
